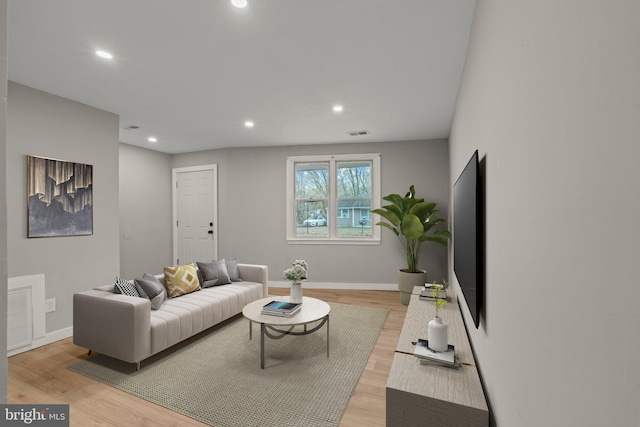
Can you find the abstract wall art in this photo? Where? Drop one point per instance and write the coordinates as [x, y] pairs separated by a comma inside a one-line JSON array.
[[60, 198]]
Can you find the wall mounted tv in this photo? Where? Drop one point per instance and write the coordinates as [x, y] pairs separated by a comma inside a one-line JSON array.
[[467, 236]]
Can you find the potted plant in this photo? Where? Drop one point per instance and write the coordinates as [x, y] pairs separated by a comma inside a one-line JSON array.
[[412, 220]]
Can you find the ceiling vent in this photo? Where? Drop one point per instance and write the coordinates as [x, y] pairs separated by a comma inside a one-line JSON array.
[[358, 132], [130, 127]]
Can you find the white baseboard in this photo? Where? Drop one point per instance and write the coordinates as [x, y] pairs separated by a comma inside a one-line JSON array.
[[352, 286], [47, 339]]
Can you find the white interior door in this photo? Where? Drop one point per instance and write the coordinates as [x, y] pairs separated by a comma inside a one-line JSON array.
[[195, 211]]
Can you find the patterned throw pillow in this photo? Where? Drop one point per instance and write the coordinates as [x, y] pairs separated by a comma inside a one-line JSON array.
[[125, 287], [180, 280]]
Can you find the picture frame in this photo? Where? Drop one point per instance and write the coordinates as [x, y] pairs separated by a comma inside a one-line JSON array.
[[59, 198]]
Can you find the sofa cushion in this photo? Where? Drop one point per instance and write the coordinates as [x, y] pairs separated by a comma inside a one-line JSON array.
[[232, 269], [179, 318], [125, 287], [153, 289], [181, 280], [214, 273]]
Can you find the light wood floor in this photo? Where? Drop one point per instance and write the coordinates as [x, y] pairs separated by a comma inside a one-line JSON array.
[[40, 376]]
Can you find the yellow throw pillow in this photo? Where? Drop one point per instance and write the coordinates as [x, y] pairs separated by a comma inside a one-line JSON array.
[[181, 280]]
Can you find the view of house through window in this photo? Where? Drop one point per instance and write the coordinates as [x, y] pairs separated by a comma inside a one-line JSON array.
[[332, 197]]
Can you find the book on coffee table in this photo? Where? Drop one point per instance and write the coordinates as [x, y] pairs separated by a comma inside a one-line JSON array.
[[281, 308], [281, 313]]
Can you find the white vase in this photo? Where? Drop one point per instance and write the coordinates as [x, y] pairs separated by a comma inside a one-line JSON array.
[[296, 292], [438, 331]]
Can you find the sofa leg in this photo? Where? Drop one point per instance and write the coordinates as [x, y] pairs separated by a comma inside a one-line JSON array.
[[89, 353], [138, 366]]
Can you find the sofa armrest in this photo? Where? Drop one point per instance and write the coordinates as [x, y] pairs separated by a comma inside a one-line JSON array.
[[112, 324], [255, 273]]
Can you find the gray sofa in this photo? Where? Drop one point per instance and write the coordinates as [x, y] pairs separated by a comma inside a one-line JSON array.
[[126, 328]]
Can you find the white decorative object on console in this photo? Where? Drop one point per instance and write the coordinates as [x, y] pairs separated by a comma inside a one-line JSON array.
[[438, 334]]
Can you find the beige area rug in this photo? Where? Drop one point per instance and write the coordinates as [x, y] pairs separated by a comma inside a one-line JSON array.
[[215, 377]]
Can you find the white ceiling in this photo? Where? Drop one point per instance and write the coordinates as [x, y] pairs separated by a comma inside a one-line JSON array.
[[191, 72]]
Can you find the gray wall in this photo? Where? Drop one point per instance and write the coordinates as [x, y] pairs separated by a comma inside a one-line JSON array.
[[45, 125], [252, 197], [551, 98], [3, 200], [145, 211]]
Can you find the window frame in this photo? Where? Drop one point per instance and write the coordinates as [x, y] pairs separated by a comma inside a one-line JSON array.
[[332, 217]]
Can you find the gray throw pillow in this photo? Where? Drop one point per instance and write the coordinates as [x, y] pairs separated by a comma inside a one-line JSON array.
[[214, 273], [153, 289], [232, 269], [207, 273]]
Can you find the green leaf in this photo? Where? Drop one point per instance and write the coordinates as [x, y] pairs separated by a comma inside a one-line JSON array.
[[408, 203], [395, 199], [390, 227], [396, 210], [422, 210], [388, 215], [412, 227], [432, 214], [436, 239], [445, 234]]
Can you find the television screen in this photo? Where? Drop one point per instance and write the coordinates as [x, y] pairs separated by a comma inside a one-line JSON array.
[[467, 236]]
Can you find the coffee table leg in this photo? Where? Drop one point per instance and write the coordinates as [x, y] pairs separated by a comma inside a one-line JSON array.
[[262, 327], [250, 330], [327, 335]]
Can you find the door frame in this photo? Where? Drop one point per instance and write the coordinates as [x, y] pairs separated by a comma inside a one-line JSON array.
[[174, 186]]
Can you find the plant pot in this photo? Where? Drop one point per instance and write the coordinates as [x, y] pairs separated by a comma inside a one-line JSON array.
[[406, 282]]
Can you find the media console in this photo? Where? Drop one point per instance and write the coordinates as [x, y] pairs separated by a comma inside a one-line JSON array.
[[433, 395]]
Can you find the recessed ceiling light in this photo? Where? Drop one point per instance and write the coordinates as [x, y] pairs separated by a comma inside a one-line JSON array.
[[337, 108], [248, 124], [104, 54], [152, 139], [239, 3]]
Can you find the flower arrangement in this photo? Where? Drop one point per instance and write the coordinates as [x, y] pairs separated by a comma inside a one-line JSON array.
[[436, 293], [297, 272]]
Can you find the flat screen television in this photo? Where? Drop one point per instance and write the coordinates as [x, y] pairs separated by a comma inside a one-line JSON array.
[[467, 236]]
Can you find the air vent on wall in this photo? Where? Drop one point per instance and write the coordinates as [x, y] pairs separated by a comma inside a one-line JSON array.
[[358, 132], [130, 127]]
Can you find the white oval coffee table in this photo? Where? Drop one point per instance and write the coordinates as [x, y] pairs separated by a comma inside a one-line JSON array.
[[276, 327]]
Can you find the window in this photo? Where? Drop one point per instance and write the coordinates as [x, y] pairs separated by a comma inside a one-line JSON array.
[[329, 198]]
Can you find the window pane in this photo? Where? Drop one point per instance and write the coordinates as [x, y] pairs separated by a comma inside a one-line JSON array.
[[312, 180], [354, 218], [354, 179], [311, 218]]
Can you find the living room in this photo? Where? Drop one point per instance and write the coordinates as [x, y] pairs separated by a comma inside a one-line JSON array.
[[550, 98]]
